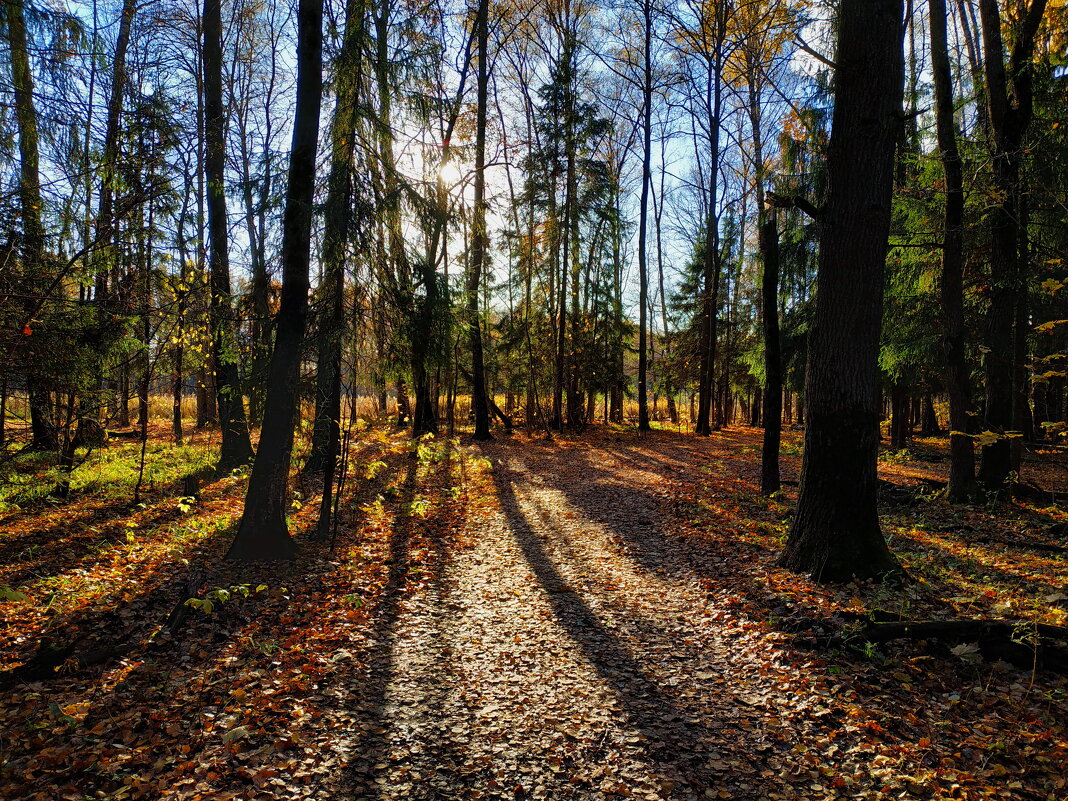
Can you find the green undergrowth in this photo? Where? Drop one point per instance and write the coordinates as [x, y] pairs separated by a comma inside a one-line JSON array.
[[109, 472]]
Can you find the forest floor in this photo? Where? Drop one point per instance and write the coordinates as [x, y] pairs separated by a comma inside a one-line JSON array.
[[595, 617]]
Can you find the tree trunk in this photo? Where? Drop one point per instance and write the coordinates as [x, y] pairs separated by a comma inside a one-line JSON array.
[[835, 535], [961, 485], [898, 415], [768, 244], [263, 532], [1010, 108], [710, 274], [929, 420], [336, 234], [643, 219], [207, 412], [479, 239], [236, 448], [42, 429], [771, 409]]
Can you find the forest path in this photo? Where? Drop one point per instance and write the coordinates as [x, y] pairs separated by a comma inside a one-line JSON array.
[[574, 652]]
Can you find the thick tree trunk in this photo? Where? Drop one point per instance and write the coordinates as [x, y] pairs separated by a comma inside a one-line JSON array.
[[207, 414], [835, 535], [263, 532], [236, 448]]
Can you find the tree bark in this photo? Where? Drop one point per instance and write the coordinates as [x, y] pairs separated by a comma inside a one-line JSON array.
[[479, 240], [643, 220], [1010, 108], [263, 532], [236, 448], [835, 535], [961, 485], [710, 274], [105, 218], [326, 434], [768, 244], [771, 408], [42, 429]]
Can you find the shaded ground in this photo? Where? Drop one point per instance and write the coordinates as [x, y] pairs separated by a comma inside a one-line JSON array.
[[598, 617], [593, 642]]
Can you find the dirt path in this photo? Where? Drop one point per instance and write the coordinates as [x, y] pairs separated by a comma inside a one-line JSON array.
[[574, 653]]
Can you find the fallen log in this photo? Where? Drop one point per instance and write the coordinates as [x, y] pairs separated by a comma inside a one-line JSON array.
[[1024, 643], [962, 630]]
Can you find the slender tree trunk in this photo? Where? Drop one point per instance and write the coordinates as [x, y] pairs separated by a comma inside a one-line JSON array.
[[42, 430], [1010, 105], [263, 532], [105, 255], [898, 413], [479, 240], [3, 411], [771, 409], [835, 535], [710, 275], [961, 486], [105, 218], [146, 321], [643, 220], [236, 446], [768, 245], [326, 434]]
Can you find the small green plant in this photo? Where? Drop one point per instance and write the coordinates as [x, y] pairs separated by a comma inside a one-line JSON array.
[[424, 449], [895, 457], [62, 716], [872, 653], [221, 595], [8, 594], [418, 508], [373, 469], [376, 510], [265, 646]]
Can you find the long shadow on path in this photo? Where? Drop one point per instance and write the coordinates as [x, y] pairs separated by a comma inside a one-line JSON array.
[[686, 751], [406, 751]]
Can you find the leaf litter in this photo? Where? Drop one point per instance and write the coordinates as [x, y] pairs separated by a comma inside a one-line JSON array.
[[596, 617]]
